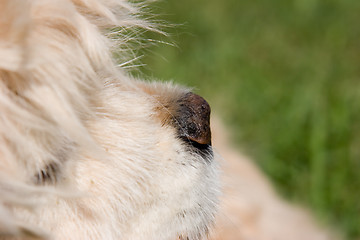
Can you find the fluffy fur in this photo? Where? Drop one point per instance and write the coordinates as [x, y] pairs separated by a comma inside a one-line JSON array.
[[87, 152]]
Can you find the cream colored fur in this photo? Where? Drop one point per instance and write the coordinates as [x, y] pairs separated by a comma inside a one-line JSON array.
[[86, 152]]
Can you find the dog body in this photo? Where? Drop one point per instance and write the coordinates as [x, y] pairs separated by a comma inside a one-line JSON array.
[[250, 209], [87, 152]]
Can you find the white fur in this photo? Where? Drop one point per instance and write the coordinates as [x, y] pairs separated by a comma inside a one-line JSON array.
[[121, 173]]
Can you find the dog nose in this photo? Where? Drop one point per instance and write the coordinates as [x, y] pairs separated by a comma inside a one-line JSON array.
[[193, 118]]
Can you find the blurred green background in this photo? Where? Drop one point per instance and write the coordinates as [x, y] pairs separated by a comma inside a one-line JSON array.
[[285, 76]]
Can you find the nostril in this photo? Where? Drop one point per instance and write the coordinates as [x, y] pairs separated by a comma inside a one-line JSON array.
[[193, 119]]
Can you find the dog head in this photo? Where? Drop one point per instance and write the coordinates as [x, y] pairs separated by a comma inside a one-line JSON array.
[[87, 151]]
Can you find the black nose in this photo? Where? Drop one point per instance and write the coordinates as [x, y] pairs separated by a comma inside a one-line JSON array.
[[193, 119]]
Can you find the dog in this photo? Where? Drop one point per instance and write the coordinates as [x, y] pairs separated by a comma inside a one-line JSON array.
[[86, 150], [89, 152]]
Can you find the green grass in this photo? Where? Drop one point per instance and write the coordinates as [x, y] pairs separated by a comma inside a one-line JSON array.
[[286, 77]]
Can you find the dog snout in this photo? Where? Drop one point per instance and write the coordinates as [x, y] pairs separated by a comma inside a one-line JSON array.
[[193, 119]]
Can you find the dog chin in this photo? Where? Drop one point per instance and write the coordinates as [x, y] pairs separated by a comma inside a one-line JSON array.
[[199, 205], [193, 200]]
